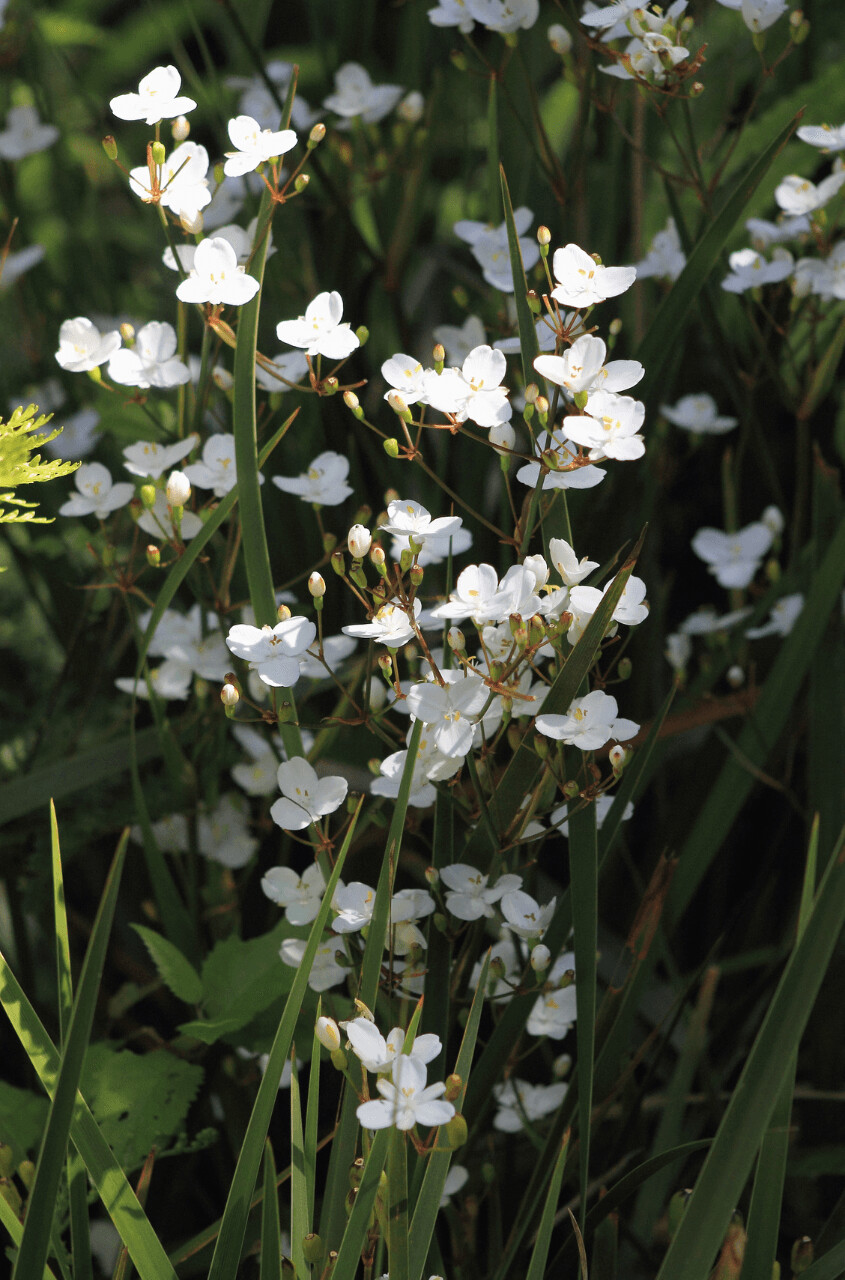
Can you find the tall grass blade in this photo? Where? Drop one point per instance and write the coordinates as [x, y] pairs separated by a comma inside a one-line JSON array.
[[14, 1227], [583, 875], [540, 1252], [528, 344], [349, 1253], [300, 1222], [271, 1231]]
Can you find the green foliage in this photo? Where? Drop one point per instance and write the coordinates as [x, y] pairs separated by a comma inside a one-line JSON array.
[[19, 465], [22, 1117]]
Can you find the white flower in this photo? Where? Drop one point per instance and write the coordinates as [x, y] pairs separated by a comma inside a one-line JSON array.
[[378, 1053], [305, 797], [300, 896], [356, 95], [505, 16], [320, 330], [449, 710], [354, 904], [467, 895], [452, 13], [765, 233], [157, 98], [325, 971], [456, 1180], [222, 834], [520, 1102], [389, 625], [17, 263], [665, 258], [216, 277], [150, 460], [217, 470], [678, 650], [409, 519], [25, 134], [97, 495], [324, 483], [291, 365], [582, 368], [152, 362], [158, 521], [524, 916], [583, 282], [490, 247], [182, 181], [405, 376], [824, 136], [405, 1099], [589, 724], [559, 819], [796, 195], [733, 558], [431, 765], [459, 340], [258, 777], [254, 145], [571, 569], [273, 651], [758, 15], [612, 428], [479, 595], [609, 15], [782, 619], [473, 391], [750, 269], [83, 347], [170, 681], [705, 622], [698, 412], [565, 454], [554, 1014], [335, 650]]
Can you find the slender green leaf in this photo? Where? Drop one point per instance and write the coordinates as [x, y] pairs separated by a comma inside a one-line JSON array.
[[349, 1253], [41, 1204], [831, 1266], [398, 1253], [312, 1116], [227, 1251], [271, 1231], [63, 969], [746, 1118], [528, 344], [583, 876], [300, 1222], [14, 1227], [540, 1252]]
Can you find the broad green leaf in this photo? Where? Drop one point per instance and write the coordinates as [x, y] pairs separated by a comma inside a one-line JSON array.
[[22, 1117], [728, 1163], [175, 971], [41, 1204]]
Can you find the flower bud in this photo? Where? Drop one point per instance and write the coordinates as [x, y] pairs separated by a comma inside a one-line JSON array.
[[458, 60], [561, 1065], [328, 1033], [11, 1195], [456, 639], [359, 540], [110, 146], [416, 575], [283, 613], [617, 756], [317, 585], [624, 668], [385, 663], [127, 333], [544, 236], [26, 1173], [339, 1059], [148, 495], [229, 695], [338, 563], [316, 136], [411, 108], [801, 1257], [398, 405], [541, 958], [455, 1132], [391, 447], [180, 128], [439, 353], [541, 404], [362, 333], [377, 558], [158, 153], [312, 1248], [153, 556], [7, 1160], [300, 182], [735, 676], [353, 404], [559, 39], [432, 876], [178, 489]]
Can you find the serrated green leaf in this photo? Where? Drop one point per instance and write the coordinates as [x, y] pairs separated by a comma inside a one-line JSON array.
[[174, 969]]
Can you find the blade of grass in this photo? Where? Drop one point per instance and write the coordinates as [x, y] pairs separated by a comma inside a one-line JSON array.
[[300, 1222], [540, 1252], [583, 878], [312, 1116], [271, 1231], [124, 1269], [528, 344], [723, 1175], [227, 1251], [14, 1227], [829, 1267], [398, 1253], [349, 1253], [41, 1204]]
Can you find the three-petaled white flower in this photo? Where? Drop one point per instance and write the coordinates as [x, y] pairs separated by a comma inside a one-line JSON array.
[[149, 459], [378, 1053], [216, 276], [320, 330], [611, 427], [96, 495], [152, 362], [490, 248], [324, 483], [83, 347], [181, 182], [389, 625], [299, 895], [698, 412], [589, 724], [305, 797], [571, 569], [733, 558], [473, 391], [254, 145], [409, 519], [468, 896], [157, 98], [750, 269], [582, 368], [405, 1099], [356, 95], [273, 651], [25, 134], [582, 282], [449, 710], [524, 916], [217, 470], [796, 195]]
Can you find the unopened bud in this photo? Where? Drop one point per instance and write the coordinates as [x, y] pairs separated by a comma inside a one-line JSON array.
[[153, 556], [359, 540], [624, 668], [158, 153], [178, 489], [561, 1065], [328, 1033], [455, 1132], [316, 136], [180, 128], [11, 1195], [411, 107], [541, 958], [801, 1257], [385, 663], [300, 182], [127, 333], [229, 695], [338, 563], [110, 146], [456, 639], [362, 333], [283, 613], [544, 237], [438, 353], [339, 1059], [7, 1160], [26, 1173], [312, 1248], [391, 447], [541, 745], [353, 404], [432, 876], [377, 558], [541, 404], [218, 173], [458, 60], [735, 676], [148, 495], [559, 39], [617, 756], [317, 585]]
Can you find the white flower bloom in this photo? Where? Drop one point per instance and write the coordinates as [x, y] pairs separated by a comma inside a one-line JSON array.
[[431, 765], [520, 1102], [582, 368], [325, 971], [733, 558], [378, 1053], [25, 134], [320, 330], [490, 247], [97, 495], [796, 195], [479, 595], [273, 651], [609, 15], [473, 391], [553, 1014], [406, 518], [456, 1180], [405, 376], [467, 895], [183, 182], [324, 483], [559, 819], [258, 777], [571, 569], [665, 258], [524, 916], [449, 710], [150, 460], [223, 835], [565, 454], [590, 723], [305, 797], [217, 469], [157, 98], [765, 233], [632, 608], [750, 269], [171, 682], [405, 1099], [389, 625], [452, 13], [354, 904], [610, 429], [582, 282], [823, 136], [335, 650], [758, 15], [83, 347], [158, 521], [17, 263], [300, 896], [782, 619], [505, 16], [705, 622], [152, 362], [291, 365], [254, 145], [216, 277], [698, 412], [459, 340], [356, 95]]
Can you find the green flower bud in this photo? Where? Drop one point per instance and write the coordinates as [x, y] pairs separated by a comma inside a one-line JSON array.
[[312, 1248], [802, 1254], [316, 136], [391, 447], [301, 182], [362, 333], [339, 1060], [159, 153], [148, 495], [110, 146], [456, 1132], [11, 1195], [7, 1163], [454, 1084], [26, 1173]]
